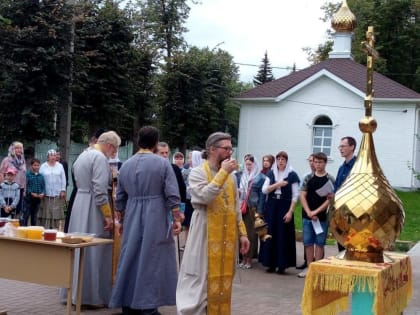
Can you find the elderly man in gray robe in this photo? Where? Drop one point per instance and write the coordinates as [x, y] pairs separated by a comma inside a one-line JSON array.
[[92, 214]]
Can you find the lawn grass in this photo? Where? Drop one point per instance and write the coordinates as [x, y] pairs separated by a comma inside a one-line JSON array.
[[411, 204]]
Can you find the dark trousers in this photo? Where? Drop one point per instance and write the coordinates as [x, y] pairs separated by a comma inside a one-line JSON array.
[[13, 213], [31, 210]]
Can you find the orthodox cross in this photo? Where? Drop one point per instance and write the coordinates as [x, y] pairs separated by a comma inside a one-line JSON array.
[[369, 47]]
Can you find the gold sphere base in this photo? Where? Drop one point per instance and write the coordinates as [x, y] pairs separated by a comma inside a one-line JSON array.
[[371, 257]]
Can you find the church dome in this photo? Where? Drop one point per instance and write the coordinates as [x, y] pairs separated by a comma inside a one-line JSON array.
[[343, 20]]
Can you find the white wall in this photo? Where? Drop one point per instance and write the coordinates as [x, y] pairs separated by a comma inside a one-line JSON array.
[[267, 128]]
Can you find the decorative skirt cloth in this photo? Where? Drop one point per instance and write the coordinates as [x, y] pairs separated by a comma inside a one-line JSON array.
[[329, 282]]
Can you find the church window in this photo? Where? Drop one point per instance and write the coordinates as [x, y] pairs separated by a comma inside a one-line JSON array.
[[322, 135]]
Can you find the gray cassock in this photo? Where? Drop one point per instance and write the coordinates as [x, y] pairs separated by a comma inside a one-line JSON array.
[[92, 174], [147, 268]]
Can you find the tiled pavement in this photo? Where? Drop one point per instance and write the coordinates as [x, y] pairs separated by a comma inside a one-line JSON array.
[[254, 292]]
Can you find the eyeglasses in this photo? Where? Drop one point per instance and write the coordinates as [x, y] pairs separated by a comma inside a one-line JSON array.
[[227, 149]]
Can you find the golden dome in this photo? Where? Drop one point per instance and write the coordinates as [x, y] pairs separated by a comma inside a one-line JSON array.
[[366, 215], [343, 20]]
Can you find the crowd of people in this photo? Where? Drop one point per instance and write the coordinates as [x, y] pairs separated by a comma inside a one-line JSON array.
[[208, 197], [33, 194]]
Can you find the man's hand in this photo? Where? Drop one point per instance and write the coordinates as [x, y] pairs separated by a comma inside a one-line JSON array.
[[108, 224], [119, 216], [120, 229], [229, 165], [244, 243], [176, 227], [182, 217]]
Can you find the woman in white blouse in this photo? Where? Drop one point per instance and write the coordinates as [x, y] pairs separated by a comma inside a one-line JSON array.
[[52, 206]]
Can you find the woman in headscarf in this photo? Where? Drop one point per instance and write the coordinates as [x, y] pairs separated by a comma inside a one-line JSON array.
[[195, 161], [16, 160], [248, 175], [256, 198], [52, 206], [282, 188]]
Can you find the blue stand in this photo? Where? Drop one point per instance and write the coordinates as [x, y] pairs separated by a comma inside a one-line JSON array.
[[361, 301]]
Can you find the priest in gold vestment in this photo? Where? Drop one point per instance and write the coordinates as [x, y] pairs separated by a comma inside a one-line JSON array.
[[208, 265]]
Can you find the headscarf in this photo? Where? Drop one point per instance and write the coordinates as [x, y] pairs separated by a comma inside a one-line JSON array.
[[17, 161], [280, 175], [247, 177], [51, 152], [196, 159]]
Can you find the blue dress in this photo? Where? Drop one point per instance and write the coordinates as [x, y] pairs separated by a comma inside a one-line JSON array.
[[147, 269], [279, 251]]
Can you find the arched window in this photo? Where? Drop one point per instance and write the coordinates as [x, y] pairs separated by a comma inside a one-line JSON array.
[[322, 135]]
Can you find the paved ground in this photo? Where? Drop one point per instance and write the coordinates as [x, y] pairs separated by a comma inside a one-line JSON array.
[[254, 292]]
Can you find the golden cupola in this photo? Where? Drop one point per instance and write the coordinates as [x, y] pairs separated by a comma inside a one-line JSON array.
[[367, 216], [344, 20]]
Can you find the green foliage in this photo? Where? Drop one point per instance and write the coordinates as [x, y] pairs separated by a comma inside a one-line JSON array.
[[101, 87], [4, 21], [194, 99], [34, 70], [265, 72], [163, 24], [117, 68], [320, 54]]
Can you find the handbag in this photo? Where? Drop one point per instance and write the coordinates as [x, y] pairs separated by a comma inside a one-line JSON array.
[[244, 204]]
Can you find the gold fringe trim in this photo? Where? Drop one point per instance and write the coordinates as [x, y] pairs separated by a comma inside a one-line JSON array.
[[329, 282]]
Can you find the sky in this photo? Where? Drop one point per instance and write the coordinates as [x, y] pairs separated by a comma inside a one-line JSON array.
[[248, 28]]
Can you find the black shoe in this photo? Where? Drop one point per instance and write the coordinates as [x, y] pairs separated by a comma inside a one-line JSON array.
[[271, 270], [280, 271], [131, 311], [91, 307], [153, 311], [303, 266]]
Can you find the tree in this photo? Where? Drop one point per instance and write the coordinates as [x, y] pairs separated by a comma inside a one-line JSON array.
[[265, 72], [110, 72], [320, 54], [35, 67], [197, 96], [163, 23], [102, 85]]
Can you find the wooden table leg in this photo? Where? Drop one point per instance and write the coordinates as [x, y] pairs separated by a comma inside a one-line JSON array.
[[70, 289], [79, 281]]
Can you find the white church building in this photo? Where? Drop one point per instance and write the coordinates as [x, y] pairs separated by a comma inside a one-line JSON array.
[[312, 109]]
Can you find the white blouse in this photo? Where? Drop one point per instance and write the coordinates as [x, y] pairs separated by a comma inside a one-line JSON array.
[[55, 179]]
